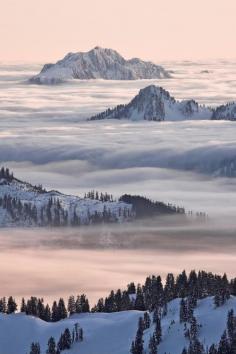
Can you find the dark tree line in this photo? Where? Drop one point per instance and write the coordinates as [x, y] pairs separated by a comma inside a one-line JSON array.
[[155, 294], [36, 307], [144, 207]]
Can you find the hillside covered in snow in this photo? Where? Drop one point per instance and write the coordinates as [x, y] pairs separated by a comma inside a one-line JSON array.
[[192, 314], [22, 204], [154, 103], [98, 63]]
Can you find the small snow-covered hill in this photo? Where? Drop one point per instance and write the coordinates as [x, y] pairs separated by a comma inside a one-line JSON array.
[[156, 104], [98, 63], [106, 333], [22, 204]]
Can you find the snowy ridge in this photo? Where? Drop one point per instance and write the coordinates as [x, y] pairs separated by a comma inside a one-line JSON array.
[[156, 104], [98, 63], [106, 333]]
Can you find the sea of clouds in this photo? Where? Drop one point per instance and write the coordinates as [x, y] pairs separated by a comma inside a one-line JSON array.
[[45, 138]]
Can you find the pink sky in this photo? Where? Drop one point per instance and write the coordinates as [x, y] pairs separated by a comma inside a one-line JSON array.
[[45, 30]]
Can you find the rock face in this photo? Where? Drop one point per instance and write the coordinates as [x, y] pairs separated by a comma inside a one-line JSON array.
[[98, 63], [154, 103], [226, 112]]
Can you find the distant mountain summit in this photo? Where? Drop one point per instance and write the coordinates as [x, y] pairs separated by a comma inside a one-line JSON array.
[[98, 63], [156, 104]]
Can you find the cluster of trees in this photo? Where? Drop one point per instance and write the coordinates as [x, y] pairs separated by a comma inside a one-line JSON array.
[[143, 324], [8, 305], [6, 174], [66, 340], [156, 294], [36, 307], [144, 207], [103, 197], [116, 113]]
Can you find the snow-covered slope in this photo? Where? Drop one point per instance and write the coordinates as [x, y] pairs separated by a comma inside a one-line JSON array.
[[52, 207], [155, 103], [226, 112], [106, 333], [98, 63]]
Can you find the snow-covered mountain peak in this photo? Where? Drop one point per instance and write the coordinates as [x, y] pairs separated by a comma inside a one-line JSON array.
[[155, 103], [98, 63]]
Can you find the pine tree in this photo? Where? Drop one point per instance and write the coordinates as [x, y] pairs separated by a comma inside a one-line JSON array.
[[158, 331], [139, 301], [183, 314], [51, 346], [23, 305], [231, 324], [71, 305], [11, 305], [55, 315], [224, 347], [3, 305], [146, 320], [212, 349], [137, 345], [35, 348], [193, 329], [61, 309], [152, 346], [81, 335]]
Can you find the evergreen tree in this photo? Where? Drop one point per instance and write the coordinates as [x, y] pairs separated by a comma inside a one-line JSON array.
[[71, 305], [212, 349], [139, 301], [61, 309], [193, 329], [146, 320], [224, 347], [158, 331], [11, 305], [3, 305], [152, 346], [137, 345], [51, 346], [183, 314], [55, 315], [23, 305], [35, 348], [81, 335]]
